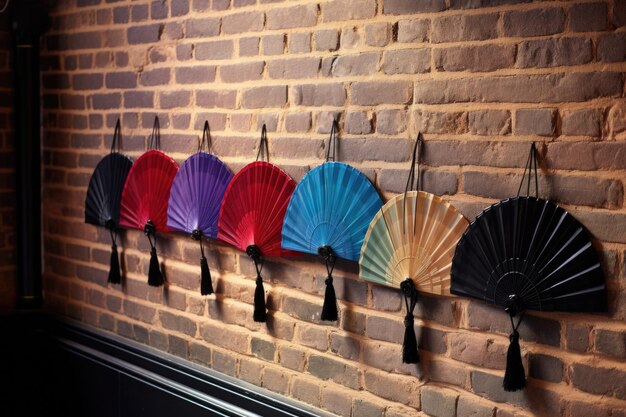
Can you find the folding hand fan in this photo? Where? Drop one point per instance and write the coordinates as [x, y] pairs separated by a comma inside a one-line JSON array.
[[329, 213], [145, 197], [196, 197], [252, 212], [525, 253], [102, 205], [409, 245]]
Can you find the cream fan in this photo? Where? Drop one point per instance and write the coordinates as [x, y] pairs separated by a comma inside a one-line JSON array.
[[410, 244]]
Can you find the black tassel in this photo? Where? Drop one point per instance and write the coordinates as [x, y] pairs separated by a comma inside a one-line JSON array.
[[409, 344], [155, 278], [260, 314], [206, 286], [514, 376], [115, 276], [329, 309]]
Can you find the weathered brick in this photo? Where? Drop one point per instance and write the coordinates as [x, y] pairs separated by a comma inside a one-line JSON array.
[[139, 311], [342, 10], [139, 12], [236, 73], [371, 93], [540, 122], [87, 81], [439, 402], [326, 40], [263, 349], [83, 40], [121, 14], [291, 17], [261, 97], [179, 7], [202, 28], [554, 52], [274, 44], [249, 46], [224, 99], [306, 390], [612, 47], [478, 350], [298, 122], [489, 122], [413, 30], [588, 17], [359, 64], [549, 88], [484, 58], [440, 122], [174, 99], [251, 21], [399, 388], [358, 123], [378, 34], [195, 75], [599, 380], [121, 80], [619, 14], [299, 43], [158, 76], [364, 407], [406, 61], [545, 367], [292, 358], [396, 7], [276, 379], [225, 363], [390, 122], [472, 407], [436, 182], [534, 22], [214, 50], [232, 339], [184, 52], [136, 99], [586, 122], [610, 343], [293, 68], [464, 28], [350, 37], [340, 372], [250, 371], [319, 94], [337, 401], [158, 10], [144, 34]]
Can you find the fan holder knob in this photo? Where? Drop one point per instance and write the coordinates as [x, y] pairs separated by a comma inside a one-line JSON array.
[[196, 234], [407, 287], [110, 224], [149, 228], [514, 305], [326, 252], [253, 251]]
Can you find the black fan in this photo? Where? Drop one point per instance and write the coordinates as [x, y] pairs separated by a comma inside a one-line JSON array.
[[525, 253], [102, 205]]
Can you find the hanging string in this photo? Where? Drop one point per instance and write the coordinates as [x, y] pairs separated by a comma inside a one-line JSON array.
[[155, 277], [115, 276], [413, 181], [155, 137], [263, 152], [329, 308], [514, 375], [116, 143], [409, 345], [333, 145], [206, 141], [531, 169], [260, 313]]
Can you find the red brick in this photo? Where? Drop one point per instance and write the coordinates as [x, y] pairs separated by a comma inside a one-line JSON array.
[[298, 122], [261, 97], [291, 17], [326, 40], [413, 30], [599, 380], [554, 52], [545, 367], [436, 182], [358, 123], [250, 371], [549, 88], [158, 10], [586, 122], [179, 7], [139, 311], [87, 81], [402, 389], [224, 99], [540, 122], [243, 22], [484, 58], [202, 28], [184, 52], [464, 28], [242, 72], [364, 407], [359, 64], [144, 34], [120, 14], [232, 339], [214, 50], [478, 350], [588, 17], [610, 343], [174, 99], [489, 122], [225, 363], [342, 10], [439, 402], [440, 122], [371, 93], [139, 99], [293, 68], [585, 409], [378, 34], [396, 7], [612, 47], [305, 390], [390, 122], [406, 61], [314, 337], [535, 22], [299, 43], [249, 46], [276, 380], [345, 346], [178, 323], [292, 358], [121, 80], [337, 401]]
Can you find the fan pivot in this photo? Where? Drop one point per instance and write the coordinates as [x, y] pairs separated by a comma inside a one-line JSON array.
[[254, 252], [326, 252], [514, 305], [110, 224], [149, 228], [196, 234]]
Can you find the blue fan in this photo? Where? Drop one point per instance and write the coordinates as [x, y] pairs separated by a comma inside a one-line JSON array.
[[329, 213]]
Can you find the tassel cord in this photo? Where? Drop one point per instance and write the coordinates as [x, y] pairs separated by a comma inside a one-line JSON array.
[[514, 375], [206, 284], [329, 308], [409, 346], [260, 309]]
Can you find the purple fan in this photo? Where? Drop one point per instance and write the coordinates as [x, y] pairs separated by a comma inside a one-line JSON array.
[[195, 201]]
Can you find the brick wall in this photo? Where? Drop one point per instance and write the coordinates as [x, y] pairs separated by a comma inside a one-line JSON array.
[[481, 79], [7, 173]]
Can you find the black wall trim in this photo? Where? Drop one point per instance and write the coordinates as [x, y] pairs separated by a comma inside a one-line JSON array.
[[80, 371]]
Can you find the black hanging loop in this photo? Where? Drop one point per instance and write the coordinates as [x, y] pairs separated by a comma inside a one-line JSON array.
[[413, 181], [260, 308], [514, 375], [333, 144], [329, 308], [155, 137], [263, 152], [205, 143], [155, 277], [530, 170], [409, 346], [115, 275], [116, 143]]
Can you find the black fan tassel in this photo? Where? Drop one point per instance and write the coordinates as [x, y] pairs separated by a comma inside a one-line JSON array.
[[206, 286], [329, 309], [115, 276], [409, 345], [260, 314], [514, 377], [155, 277]]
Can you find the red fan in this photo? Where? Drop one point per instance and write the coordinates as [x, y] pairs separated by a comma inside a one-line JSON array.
[[145, 198], [251, 216]]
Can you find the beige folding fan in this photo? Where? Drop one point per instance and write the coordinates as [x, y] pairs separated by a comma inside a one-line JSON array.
[[410, 244]]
